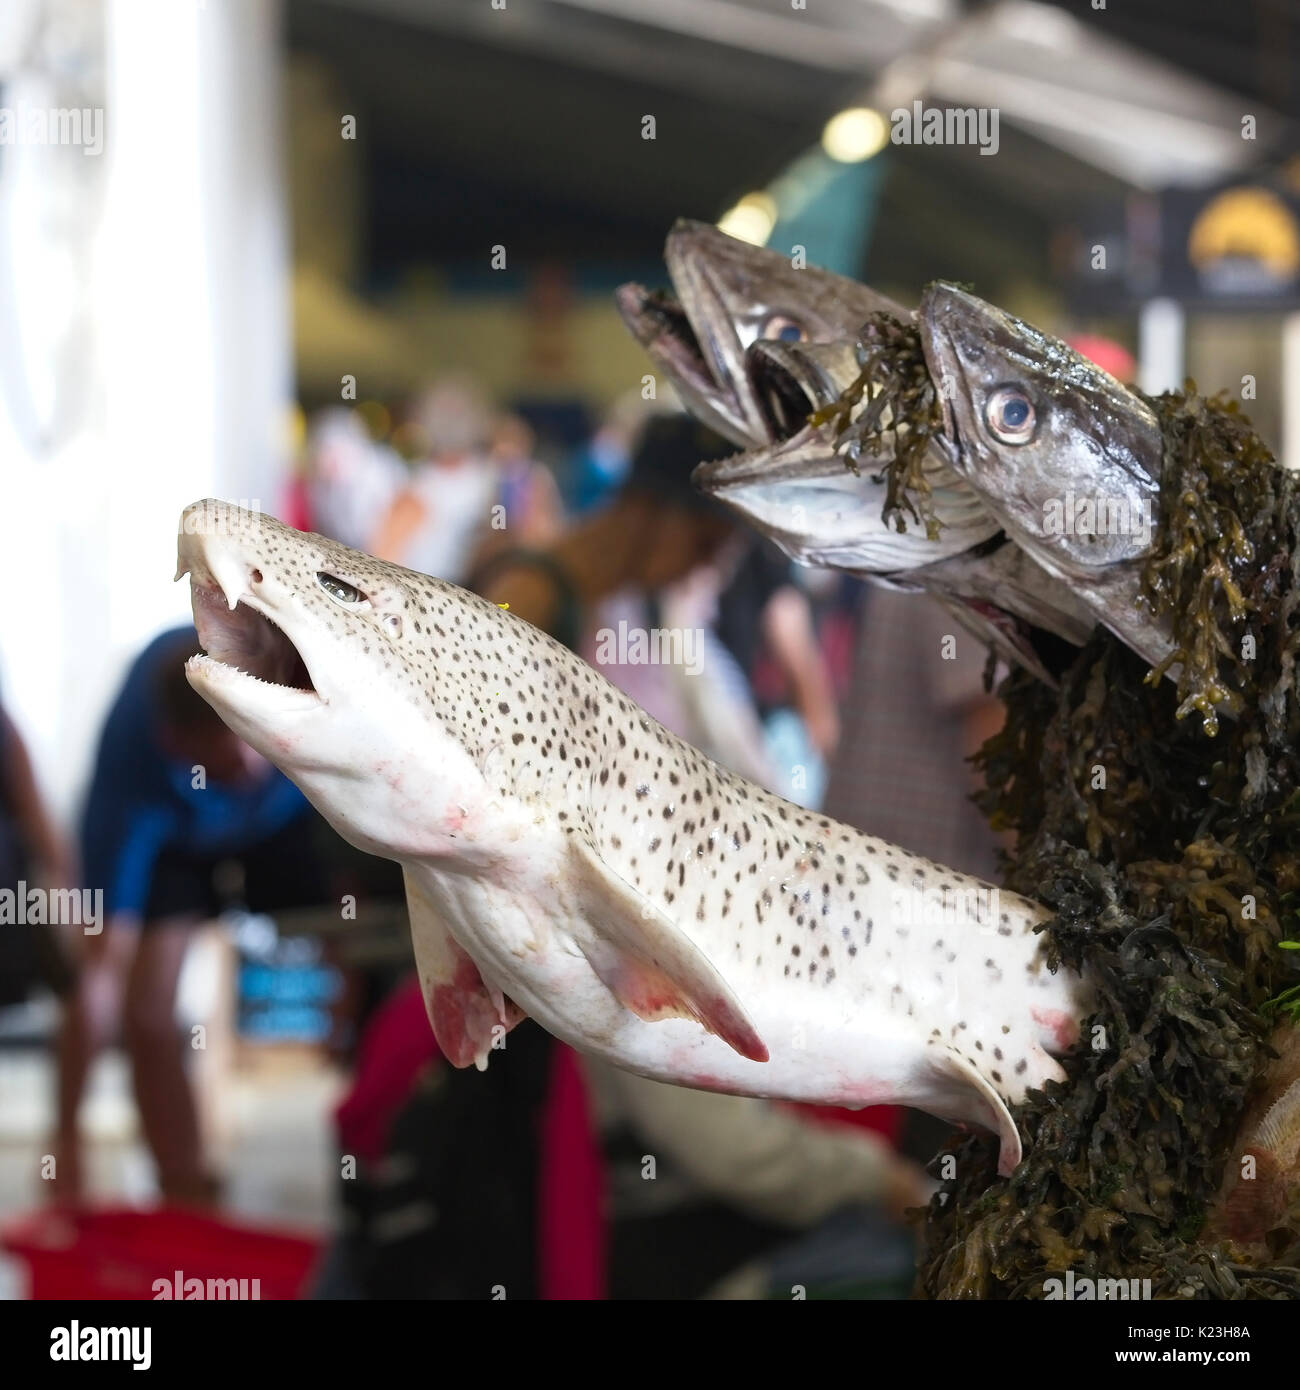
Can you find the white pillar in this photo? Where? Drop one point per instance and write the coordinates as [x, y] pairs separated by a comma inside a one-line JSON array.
[[195, 280], [188, 373], [1160, 346]]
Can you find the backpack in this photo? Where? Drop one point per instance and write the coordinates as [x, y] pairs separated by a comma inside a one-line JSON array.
[[450, 1211]]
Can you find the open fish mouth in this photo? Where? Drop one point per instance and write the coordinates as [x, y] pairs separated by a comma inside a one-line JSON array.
[[745, 394], [244, 645], [788, 387], [662, 326], [785, 396]]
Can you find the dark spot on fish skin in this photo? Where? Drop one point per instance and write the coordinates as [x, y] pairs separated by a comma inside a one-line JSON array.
[[1020, 1067]]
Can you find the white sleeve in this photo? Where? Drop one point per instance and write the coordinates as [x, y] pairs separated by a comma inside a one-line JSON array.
[[755, 1154]]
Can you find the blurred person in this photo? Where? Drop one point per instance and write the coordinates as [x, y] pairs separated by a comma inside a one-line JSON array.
[[33, 853], [916, 712], [789, 631], [182, 819], [602, 465], [765, 620], [463, 1180], [352, 480], [527, 510], [437, 519]]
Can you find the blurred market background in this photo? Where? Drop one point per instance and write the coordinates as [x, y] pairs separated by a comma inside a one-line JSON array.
[[308, 250]]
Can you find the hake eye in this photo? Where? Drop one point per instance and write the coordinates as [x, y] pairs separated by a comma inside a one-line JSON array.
[[1010, 415], [781, 326], [340, 590]]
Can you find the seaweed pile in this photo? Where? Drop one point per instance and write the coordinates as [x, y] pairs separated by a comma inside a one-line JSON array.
[[1169, 850], [1224, 504], [1170, 859]]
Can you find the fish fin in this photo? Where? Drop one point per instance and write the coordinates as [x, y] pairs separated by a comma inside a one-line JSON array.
[[650, 966], [956, 1079], [464, 1013]]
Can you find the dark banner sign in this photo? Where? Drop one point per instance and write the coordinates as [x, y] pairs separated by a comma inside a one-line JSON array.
[[1234, 247]]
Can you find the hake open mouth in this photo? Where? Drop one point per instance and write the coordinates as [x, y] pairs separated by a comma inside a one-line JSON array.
[[659, 322], [245, 644], [785, 400]]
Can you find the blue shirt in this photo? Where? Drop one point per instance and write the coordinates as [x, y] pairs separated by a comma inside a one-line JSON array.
[[143, 801]]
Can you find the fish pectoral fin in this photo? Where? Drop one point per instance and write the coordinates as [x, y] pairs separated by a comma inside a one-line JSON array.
[[961, 1092], [467, 1017], [649, 965]]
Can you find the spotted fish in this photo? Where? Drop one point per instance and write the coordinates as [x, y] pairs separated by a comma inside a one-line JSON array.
[[567, 858]]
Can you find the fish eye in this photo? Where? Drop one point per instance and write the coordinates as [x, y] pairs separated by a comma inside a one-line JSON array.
[[1010, 415], [785, 328], [340, 590]]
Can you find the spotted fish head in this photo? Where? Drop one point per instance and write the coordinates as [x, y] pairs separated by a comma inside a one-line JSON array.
[[357, 678]]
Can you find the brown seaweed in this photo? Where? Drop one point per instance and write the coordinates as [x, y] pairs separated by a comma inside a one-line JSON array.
[[1171, 883], [1219, 550], [900, 418]]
